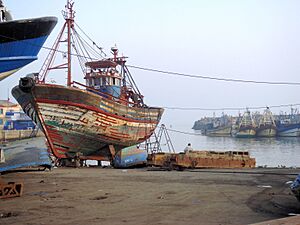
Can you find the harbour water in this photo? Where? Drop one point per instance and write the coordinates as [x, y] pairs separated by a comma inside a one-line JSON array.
[[270, 152]]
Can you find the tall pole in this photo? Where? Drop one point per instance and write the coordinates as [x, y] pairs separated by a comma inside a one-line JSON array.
[[70, 24]]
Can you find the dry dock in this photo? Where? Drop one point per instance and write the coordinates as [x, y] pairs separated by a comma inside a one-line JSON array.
[[139, 196]]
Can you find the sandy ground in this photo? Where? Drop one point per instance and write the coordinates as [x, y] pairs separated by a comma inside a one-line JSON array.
[[139, 196]]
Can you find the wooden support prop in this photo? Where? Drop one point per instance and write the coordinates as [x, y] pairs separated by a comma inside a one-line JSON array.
[[112, 151], [2, 158]]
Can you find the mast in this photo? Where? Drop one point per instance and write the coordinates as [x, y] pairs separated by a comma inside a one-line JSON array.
[[68, 15], [70, 24]]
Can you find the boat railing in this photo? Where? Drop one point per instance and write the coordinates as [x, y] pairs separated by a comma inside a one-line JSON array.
[[106, 95]]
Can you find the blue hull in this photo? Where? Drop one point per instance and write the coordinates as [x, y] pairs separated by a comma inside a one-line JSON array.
[[17, 54], [289, 130], [21, 41], [22, 154], [130, 157], [295, 187]]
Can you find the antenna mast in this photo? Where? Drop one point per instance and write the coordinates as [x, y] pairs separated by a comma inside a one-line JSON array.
[[69, 16]]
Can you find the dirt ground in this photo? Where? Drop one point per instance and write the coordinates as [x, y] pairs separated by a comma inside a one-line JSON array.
[[140, 196]]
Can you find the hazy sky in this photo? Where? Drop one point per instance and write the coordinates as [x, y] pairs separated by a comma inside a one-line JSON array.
[[249, 39]]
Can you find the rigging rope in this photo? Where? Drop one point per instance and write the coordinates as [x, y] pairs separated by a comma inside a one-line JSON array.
[[212, 78], [180, 132], [177, 73], [228, 108], [100, 48]]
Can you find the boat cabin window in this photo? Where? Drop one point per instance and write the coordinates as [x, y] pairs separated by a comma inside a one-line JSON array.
[[97, 81], [103, 80]]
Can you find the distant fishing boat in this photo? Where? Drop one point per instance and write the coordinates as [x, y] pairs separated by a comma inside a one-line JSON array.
[[220, 131], [288, 125], [246, 127], [267, 126], [21, 40], [95, 120], [219, 127], [287, 129]]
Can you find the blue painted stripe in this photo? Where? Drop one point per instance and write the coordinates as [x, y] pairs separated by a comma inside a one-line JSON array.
[[17, 54], [18, 58]]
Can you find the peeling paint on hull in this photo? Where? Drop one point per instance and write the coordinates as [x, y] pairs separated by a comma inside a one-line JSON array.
[[76, 120]]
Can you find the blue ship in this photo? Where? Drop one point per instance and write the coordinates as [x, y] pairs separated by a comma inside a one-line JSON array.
[[21, 40], [289, 125]]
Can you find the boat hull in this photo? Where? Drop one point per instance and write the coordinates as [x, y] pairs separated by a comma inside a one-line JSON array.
[[219, 132], [130, 157], [79, 121], [21, 41], [295, 187], [290, 130], [246, 133], [266, 131]]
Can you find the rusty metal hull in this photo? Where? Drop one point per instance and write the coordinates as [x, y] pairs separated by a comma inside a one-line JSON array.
[[76, 120], [266, 131], [203, 159]]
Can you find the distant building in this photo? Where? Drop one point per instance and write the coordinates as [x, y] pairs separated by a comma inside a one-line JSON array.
[[7, 106]]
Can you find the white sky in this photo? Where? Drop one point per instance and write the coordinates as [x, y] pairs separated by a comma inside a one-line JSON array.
[[249, 39]]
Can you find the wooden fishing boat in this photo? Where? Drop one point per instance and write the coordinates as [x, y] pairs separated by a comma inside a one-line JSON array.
[[96, 119]]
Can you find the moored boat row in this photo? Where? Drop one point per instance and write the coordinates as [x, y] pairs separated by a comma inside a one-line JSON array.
[[265, 125]]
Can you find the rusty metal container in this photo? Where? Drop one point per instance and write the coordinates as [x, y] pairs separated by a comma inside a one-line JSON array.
[[202, 159]]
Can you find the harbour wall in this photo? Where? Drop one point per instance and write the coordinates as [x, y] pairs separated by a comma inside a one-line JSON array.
[[7, 135]]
